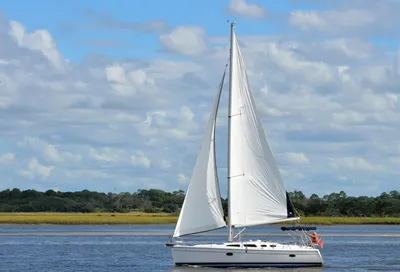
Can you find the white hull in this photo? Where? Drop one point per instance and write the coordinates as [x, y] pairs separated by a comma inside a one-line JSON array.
[[264, 254]]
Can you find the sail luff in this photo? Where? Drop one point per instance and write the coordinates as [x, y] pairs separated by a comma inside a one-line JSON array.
[[202, 207]]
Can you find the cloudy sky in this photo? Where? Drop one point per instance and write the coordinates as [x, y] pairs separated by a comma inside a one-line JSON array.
[[113, 95]]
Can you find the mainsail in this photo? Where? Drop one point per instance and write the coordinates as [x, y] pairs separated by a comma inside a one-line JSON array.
[[202, 208], [257, 194]]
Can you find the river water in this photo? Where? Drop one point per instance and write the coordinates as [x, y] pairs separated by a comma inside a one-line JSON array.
[[141, 248]]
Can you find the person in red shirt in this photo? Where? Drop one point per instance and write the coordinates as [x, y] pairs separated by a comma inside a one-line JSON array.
[[314, 238]]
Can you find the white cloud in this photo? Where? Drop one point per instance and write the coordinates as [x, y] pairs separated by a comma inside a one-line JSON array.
[[291, 174], [165, 164], [396, 162], [355, 164], [355, 18], [296, 158], [40, 40], [3, 62], [182, 179], [36, 170], [313, 71], [6, 158], [186, 40], [127, 83], [348, 117], [328, 20], [121, 117], [105, 155], [245, 9], [351, 48], [140, 160], [307, 20], [49, 151], [86, 174], [187, 117], [159, 125]]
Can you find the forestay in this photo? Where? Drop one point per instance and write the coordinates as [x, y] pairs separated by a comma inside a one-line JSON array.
[[257, 193], [202, 208]]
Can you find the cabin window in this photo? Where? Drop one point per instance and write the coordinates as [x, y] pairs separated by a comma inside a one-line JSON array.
[[272, 245], [263, 245], [250, 245], [234, 245], [229, 254], [292, 255]]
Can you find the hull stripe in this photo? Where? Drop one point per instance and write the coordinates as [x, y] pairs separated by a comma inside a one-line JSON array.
[[250, 265]]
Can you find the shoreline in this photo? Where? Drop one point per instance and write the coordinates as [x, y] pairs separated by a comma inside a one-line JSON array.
[[138, 218], [173, 224], [165, 233]]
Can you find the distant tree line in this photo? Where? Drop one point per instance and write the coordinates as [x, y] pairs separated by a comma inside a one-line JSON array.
[[339, 204], [153, 200]]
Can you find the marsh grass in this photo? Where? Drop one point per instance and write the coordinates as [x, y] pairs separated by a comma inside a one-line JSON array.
[[136, 218], [87, 218], [316, 220]]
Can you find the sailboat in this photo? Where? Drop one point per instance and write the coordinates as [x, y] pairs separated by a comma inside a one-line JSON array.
[[256, 192]]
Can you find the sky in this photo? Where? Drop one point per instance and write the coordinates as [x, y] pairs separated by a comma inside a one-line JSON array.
[[114, 96]]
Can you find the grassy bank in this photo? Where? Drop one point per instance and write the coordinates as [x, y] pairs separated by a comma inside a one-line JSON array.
[[158, 218], [87, 218], [316, 220]]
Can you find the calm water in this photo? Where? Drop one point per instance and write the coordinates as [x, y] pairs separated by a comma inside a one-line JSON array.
[[343, 250]]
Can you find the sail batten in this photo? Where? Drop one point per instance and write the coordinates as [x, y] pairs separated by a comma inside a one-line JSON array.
[[257, 193], [202, 208]]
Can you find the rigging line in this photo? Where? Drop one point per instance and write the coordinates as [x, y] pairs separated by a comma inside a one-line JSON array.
[[295, 210]]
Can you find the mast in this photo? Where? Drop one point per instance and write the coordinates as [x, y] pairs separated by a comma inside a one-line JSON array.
[[229, 132]]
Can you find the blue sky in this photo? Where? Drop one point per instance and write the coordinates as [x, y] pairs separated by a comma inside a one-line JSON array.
[[115, 94], [71, 25]]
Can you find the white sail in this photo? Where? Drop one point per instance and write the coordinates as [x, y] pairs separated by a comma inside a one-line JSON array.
[[202, 208], [257, 194]]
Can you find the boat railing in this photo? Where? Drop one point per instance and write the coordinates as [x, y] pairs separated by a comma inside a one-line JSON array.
[[298, 233], [175, 240], [239, 235]]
